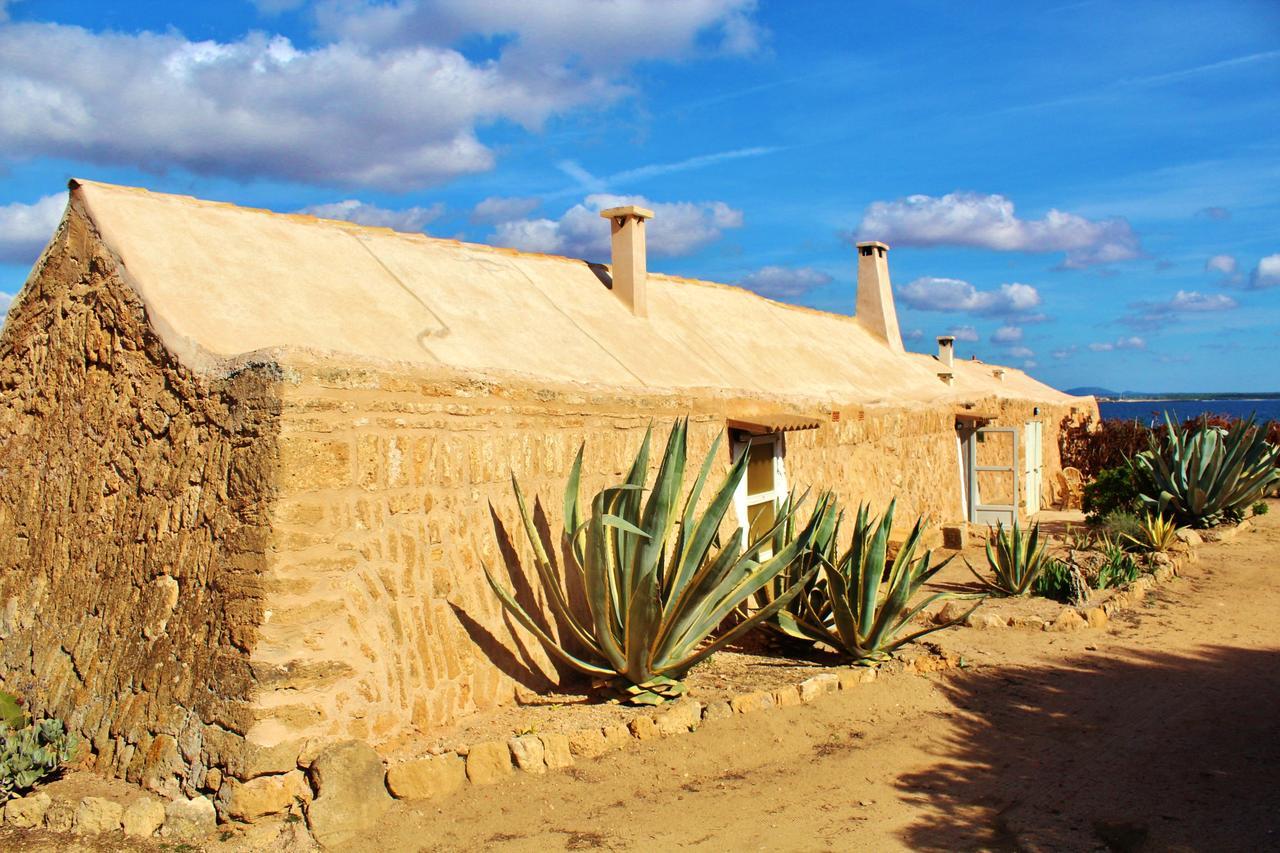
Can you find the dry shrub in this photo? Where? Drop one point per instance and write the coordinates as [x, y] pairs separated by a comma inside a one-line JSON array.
[[1094, 446]]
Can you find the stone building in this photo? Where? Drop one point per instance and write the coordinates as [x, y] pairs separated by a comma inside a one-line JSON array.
[[252, 462]]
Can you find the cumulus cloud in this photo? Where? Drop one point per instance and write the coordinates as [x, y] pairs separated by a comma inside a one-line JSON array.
[[1022, 352], [1225, 264], [1132, 342], [1007, 335], [989, 222], [963, 333], [951, 294], [26, 228], [351, 210], [390, 102], [1153, 314], [678, 228], [779, 282], [1064, 353], [496, 209], [1266, 273]]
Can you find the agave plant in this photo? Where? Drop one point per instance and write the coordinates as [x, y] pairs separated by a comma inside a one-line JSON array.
[[860, 602], [825, 522], [1155, 534], [1015, 561], [1201, 477], [658, 582]]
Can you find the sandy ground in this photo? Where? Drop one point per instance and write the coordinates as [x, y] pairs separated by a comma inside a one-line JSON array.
[[1161, 732]]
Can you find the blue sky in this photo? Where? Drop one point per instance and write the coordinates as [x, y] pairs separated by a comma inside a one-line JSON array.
[[1090, 190]]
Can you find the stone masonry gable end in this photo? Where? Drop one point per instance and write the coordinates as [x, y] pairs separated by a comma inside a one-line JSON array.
[[220, 281], [133, 499]]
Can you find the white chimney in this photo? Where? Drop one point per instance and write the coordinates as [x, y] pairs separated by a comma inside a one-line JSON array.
[[630, 269], [875, 309], [947, 350]]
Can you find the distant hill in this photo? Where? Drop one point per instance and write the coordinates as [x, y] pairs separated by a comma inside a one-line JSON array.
[[1088, 390]]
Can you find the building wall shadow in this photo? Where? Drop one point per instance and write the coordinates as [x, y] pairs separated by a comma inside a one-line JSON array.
[[1152, 751]]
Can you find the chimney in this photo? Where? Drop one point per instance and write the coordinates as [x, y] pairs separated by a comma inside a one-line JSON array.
[[630, 270], [947, 350], [875, 309]]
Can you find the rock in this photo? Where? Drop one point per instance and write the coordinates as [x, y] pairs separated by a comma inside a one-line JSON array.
[[555, 751], [684, 716], [189, 819], [749, 703], [786, 697], [616, 737], [351, 793], [1141, 587], [143, 817], [819, 685], [644, 728], [60, 816], [1164, 574], [1189, 536], [265, 795], [588, 743], [489, 762], [27, 812], [719, 710], [1067, 620], [855, 675], [95, 815], [1096, 617], [1035, 623], [955, 536], [950, 612], [427, 778], [528, 752], [987, 621]]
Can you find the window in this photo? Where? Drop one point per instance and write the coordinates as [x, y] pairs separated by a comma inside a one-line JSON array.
[[764, 487]]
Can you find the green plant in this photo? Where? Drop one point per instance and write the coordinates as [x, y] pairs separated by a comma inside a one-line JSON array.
[[657, 583], [11, 712], [1062, 582], [1119, 530], [825, 522], [31, 753], [1260, 508], [1118, 569], [1078, 538], [860, 602], [1200, 477], [1015, 561], [1155, 534], [1113, 490]]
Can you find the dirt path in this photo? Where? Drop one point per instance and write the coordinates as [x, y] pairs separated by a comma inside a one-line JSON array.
[[1161, 732]]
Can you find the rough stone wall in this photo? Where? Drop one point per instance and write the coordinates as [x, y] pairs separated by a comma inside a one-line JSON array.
[[132, 524], [393, 489]]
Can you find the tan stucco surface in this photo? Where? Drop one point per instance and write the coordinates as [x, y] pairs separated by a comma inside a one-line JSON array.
[[220, 281]]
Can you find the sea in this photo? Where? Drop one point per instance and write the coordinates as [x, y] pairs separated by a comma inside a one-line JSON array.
[[1149, 411]]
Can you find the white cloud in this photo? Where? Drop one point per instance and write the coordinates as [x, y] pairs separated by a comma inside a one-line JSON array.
[[1021, 352], [678, 228], [1266, 273], [496, 209], [951, 294], [1066, 352], [1132, 342], [351, 210], [1007, 335], [779, 282], [391, 103], [26, 228], [963, 333], [989, 222], [913, 334], [593, 34], [1225, 264], [1153, 314]]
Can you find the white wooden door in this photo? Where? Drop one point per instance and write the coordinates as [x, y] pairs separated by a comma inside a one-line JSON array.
[[1034, 465]]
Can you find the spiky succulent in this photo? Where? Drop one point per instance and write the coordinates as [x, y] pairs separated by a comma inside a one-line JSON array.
[[1207, 475], [860, 602], [1015, 560], [1155, 534], [31, 753], [658, 582]]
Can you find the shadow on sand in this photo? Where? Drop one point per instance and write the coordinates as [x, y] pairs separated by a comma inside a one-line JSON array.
[[1151, 751]]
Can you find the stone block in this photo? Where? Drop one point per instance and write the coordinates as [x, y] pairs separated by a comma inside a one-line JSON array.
[[987, 621], [718, 710], [95, 815], [143, 817], [1190, 537], [60, 816], [189, 819], [819, 685], [489, 762], [587, 743], [262, 796], [27, 812], [684, 716], [1067, 620], [1096, 617], [644, 728], [955, 537], [786, 697], [555, 750], [529, 754], [750, 703], [427, 778], [1163, 574], [616, 737], [351, 793], [855, 675]]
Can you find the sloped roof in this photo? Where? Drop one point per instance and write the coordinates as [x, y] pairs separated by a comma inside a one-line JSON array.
[[220, 281]]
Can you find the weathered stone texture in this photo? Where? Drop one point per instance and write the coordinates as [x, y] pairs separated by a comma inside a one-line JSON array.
[[132, 521]]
